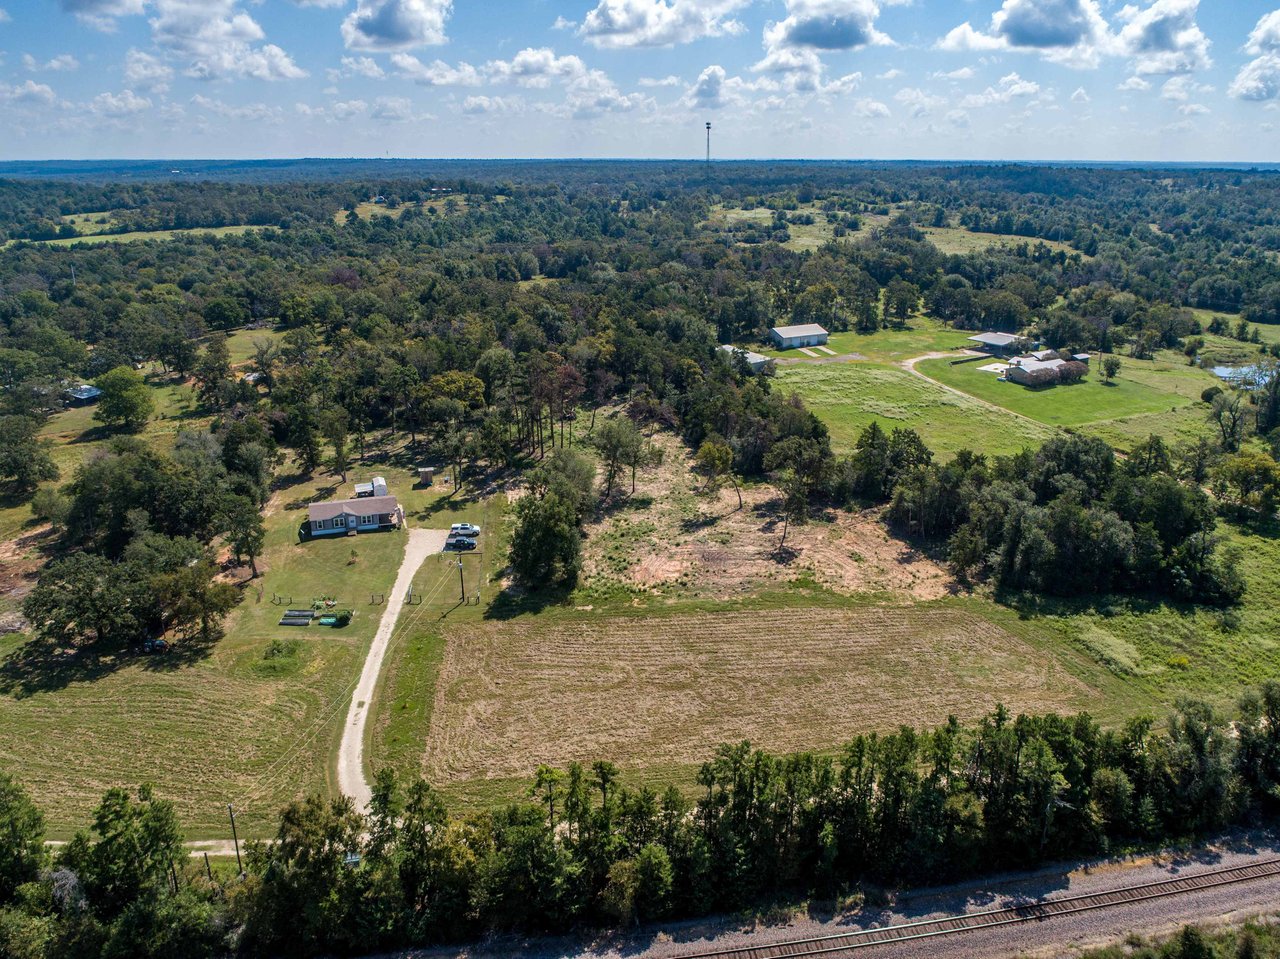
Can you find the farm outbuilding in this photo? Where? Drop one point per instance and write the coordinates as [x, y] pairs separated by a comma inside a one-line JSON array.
[[792, 337], [997, 344], [755, 361]]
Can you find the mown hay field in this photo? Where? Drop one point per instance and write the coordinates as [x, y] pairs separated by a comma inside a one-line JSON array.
[[664, 691], [848, 396]]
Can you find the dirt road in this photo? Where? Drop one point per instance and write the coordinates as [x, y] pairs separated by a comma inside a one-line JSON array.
[[910, 367], [351, 778]]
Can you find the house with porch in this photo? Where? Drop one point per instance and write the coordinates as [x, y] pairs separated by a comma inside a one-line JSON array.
[[347, 517]]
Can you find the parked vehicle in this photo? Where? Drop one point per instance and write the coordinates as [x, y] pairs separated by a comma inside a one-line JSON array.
[[155, 646], [464, 529], [459, 543]]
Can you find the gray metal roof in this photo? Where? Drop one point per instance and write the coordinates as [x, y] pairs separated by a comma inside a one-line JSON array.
[[804, 329], [84, 392], [995, 339], [364, 506]]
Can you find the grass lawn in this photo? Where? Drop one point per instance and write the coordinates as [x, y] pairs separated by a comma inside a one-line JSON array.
[[141, 235], [238, 722], [1089, 401], [848, 396], [403, 707], [74, 434], [240, 344], [803, 236], [955, 240], [88, 224]]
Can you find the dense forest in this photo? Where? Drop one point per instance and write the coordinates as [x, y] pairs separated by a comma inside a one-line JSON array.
[[482, 314]]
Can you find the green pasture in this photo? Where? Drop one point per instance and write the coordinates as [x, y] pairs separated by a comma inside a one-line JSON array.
[[1085, 402], [849, 396], [143, 235]]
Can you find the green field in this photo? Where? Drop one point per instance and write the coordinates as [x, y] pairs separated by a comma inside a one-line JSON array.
[[1088, 401], [240, 344], [849, 396], [954, 240], [803, 236], [237, 721], [143, 235]]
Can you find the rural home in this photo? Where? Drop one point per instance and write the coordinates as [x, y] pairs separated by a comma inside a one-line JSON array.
[[997, 344], [1030, 371], [755, 361], [82, 394], [346, 517], [806, 334]]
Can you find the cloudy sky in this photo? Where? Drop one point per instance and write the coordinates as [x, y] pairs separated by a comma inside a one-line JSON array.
[[980, 79]]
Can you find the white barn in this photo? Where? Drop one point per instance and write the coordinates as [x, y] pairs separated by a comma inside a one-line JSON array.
[[755, 361], [806, 334]]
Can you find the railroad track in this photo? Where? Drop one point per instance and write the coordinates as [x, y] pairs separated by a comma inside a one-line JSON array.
[[1038, 911]]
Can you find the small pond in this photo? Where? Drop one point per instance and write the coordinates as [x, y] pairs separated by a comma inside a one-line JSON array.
[[1241, 375]]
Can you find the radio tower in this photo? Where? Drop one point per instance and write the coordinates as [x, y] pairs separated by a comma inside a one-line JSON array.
[[708, 143]]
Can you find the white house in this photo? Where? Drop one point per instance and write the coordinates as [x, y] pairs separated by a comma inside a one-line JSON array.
[[806, 334], [755, 361]]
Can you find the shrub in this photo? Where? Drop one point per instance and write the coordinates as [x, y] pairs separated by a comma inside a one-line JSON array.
[[1208, 395], [343, 617]]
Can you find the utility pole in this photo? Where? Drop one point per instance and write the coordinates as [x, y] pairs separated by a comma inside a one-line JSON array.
[[235, 839], [708, 144], [462, 583]]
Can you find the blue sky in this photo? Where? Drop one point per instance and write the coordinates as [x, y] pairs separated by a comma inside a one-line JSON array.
[[967, 79]]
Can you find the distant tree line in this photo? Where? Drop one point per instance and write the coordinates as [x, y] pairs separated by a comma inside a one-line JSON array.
[[914, 806]]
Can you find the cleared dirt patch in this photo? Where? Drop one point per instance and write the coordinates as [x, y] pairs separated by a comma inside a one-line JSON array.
[[671, 539], [661, 691]]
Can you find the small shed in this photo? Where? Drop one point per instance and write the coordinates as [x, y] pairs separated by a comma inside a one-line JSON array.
[[426, 475], [805, 334]]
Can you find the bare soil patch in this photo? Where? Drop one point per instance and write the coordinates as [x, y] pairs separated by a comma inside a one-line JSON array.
[[666, 690], [670, 537]]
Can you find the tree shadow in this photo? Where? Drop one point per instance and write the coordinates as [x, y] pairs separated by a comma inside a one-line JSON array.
[[41, 666], [514, 601]]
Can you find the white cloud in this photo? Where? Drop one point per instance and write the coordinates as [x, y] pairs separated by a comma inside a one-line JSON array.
[[615, 24], [1164, 38], [562, 24], [396, 24], [116, 105], [217, 39], [1182, 88], [1081, 96], [102, 14], [919, 102], [321, 3], [1072, 32], [964, 73], [435, 74], [668, 81], [1259, 79], [1011, 87], [62, 62], [1134, 84], [145, 72], [4, 15], [535, 68], [1265, 37], [958, 118], [28, 92], [243, 111], [826, 25], [356, 67], [484, 105], [891, 74], [392, 109], [866, 107], [594, 93]]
